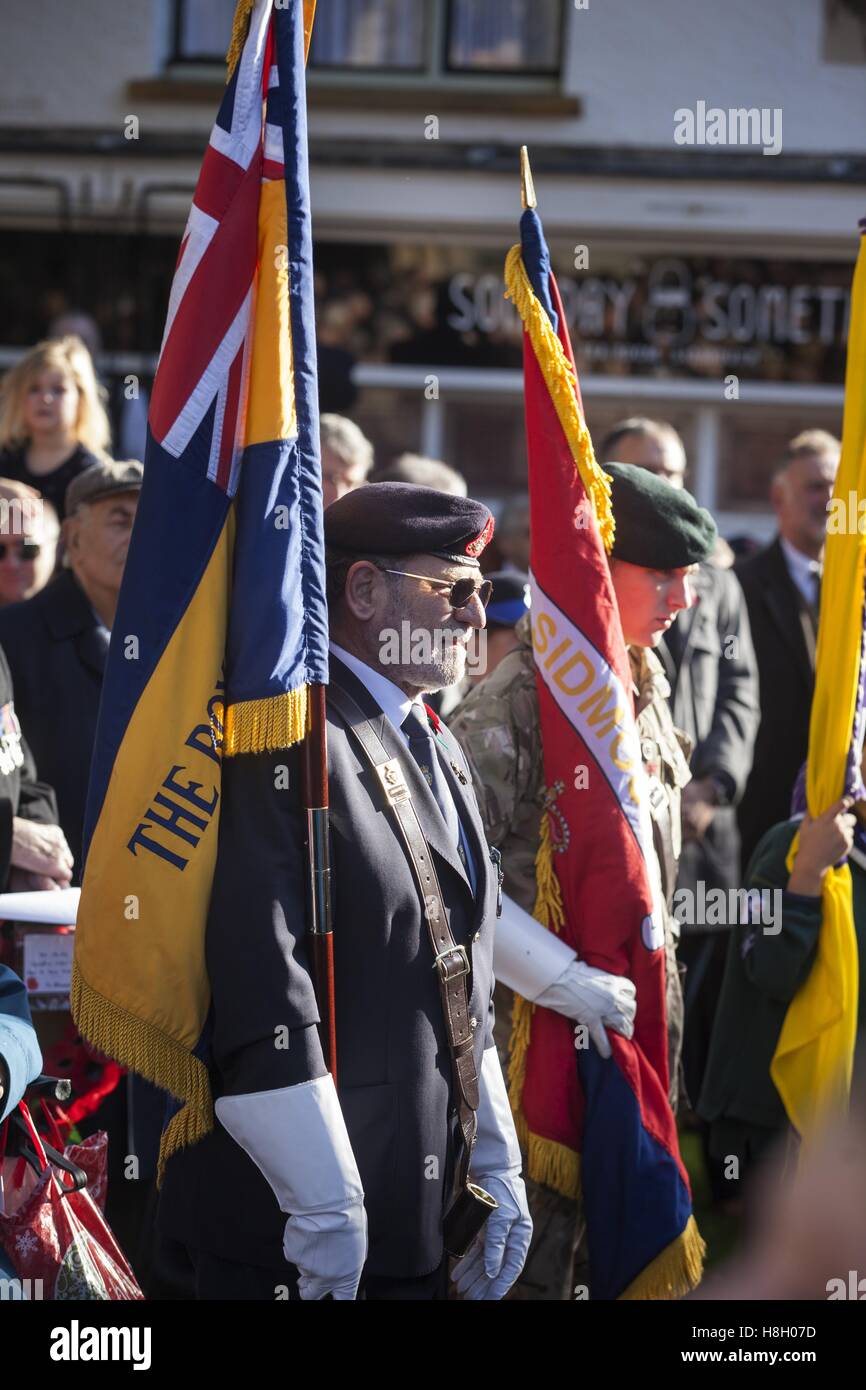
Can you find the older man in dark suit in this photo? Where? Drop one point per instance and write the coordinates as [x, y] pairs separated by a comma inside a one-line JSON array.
[[56, 642], [413, 929], [782, 585]]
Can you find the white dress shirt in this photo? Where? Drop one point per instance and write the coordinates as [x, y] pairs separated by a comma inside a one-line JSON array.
[[805, 572], [394, 702]]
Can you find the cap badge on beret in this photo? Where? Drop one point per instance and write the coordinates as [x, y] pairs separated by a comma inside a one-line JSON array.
[[474, 548]]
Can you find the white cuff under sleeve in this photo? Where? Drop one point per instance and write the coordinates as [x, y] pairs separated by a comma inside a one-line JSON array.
[[496, 1148], [297, 1137]]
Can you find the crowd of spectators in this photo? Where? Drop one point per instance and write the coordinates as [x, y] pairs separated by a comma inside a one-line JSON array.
[[740, 666]]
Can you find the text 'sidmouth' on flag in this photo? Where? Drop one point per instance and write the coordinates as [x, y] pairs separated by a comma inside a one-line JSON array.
[[598, 1129]]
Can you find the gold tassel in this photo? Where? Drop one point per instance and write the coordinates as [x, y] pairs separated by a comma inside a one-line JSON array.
[[240, 28], [137, 1044], [548, 909], [260, 726], [673, 1273], [554, 1165], [547, 1162], [561, 383]]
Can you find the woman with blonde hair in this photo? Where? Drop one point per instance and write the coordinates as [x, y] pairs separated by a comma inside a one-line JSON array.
[[53, 424]]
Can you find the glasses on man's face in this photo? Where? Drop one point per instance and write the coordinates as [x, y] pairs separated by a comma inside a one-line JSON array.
[[26, 550], [460, 593]]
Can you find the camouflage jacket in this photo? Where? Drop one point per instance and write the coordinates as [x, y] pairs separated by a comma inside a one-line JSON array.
[[498, 727]]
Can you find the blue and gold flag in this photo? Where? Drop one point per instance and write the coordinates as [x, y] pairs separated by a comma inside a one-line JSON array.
[[221, 626]]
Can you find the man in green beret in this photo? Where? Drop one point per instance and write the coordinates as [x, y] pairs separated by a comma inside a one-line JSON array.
[[661, 536]]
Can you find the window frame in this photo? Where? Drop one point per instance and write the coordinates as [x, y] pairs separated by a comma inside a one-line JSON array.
[[436, 72], [446, 71]]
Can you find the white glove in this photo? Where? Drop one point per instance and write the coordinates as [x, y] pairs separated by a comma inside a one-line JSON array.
[[539, 966], [497, 1256], [297, 1137], [594, 998]]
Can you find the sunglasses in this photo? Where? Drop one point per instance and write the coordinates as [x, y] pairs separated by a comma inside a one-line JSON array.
[[27, 550], [459, 593]]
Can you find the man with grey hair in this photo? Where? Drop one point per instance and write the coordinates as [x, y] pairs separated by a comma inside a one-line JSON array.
[[347, 457], [423, 472], [782, 585]]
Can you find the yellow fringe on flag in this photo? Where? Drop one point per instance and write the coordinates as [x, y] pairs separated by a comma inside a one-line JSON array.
[[240, 26], [260, 726], [561, 383], [547, 1162], [554, 1165], [673, 1273], [137, 1044]]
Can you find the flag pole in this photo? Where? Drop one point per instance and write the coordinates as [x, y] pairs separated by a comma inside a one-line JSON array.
[[320, 925], [527, 187]]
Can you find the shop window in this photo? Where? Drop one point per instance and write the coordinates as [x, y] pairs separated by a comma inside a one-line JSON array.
[[202, 29], [433, 39], [359, 34], [844, 31], [504, 35]]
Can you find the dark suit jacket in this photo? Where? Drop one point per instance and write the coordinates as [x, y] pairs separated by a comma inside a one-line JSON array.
[[57, 662], [714, 699], [785, 648], [20, 792], [393, 1061], [715, 686]]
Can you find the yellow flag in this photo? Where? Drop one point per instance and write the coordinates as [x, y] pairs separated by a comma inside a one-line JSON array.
[[814, 1057]]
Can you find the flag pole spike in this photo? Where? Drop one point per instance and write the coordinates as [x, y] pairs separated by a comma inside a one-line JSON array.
[[527, 187]]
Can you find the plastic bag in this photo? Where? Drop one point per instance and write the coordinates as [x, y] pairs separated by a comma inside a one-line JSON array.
[[53, 1233]]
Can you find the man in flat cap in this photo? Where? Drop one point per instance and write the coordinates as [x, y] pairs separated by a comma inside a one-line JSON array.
[[376, 1186], [661, 536]]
